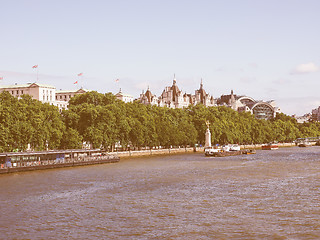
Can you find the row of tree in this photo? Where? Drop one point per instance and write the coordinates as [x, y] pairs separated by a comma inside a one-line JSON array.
[[103, 121]]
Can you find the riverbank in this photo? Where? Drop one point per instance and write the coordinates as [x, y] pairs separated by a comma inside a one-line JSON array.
[[42, 165], [112, 158], [150, 152], [258, 146]]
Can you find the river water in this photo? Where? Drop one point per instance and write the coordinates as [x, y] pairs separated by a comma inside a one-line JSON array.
[[269, 195]]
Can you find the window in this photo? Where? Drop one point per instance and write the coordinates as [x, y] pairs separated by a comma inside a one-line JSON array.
[[21, 91], [60, 96], [17, 91]]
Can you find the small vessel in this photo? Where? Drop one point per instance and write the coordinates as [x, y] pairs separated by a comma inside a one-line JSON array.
[[231, 147], [227, 153], [304, 144], [212, 151], [270, 146], [249, 151], [224, 151]]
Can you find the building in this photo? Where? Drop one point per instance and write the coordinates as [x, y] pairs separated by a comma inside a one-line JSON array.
[[202, 97], [124, 97], [42, 92], [315, 114], [305, 118], [66, 95], [173, 97], [260, 109]]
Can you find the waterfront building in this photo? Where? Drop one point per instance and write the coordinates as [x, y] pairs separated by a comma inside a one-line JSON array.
[[63, 97], [202, 97], [315, 114], [260, 109], [148, 98], [42, 92], [124, 97], [173, 97], [305, 118], [66, 95]]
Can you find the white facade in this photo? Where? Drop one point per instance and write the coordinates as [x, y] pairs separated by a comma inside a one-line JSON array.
[[66, 95], [172, 97], [124, 97], [41, 92]]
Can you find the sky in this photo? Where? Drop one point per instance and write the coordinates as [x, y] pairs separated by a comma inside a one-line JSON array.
[[265, 49]]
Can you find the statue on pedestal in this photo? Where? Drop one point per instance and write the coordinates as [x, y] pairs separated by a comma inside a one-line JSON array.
[[208, 136]]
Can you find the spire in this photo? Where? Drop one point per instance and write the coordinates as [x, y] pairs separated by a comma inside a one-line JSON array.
[[201, 84], [174, 79]]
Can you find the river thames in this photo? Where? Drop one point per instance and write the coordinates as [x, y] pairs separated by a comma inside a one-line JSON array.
[[269, 195]]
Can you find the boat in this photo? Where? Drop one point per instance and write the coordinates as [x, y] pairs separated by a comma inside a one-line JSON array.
[[227, 153], [249, 151], [224, 151], [270, 146], [212, 151], [231, 147], [304, 144]]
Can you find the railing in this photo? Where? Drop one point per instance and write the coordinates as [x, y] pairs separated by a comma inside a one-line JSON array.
[[63, 162], [308, 139]]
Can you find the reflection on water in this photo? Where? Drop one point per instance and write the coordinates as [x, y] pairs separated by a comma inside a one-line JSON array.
[[272, 195]]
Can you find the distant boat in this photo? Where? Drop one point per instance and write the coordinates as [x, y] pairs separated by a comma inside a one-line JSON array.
[[212, 151], [249, 151], [270, 146], [224, 151], [304, 144]]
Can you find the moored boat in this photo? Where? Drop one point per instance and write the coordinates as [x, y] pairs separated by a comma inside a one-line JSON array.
[[227, 153], [249, 151], [212, 151], [304, 144], [270, 146], [224, 151]]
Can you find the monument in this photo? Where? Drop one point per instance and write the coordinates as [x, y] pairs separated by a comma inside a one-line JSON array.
[[208, 136]]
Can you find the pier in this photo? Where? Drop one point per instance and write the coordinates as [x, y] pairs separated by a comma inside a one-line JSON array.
[[307, 139], [29, 161]]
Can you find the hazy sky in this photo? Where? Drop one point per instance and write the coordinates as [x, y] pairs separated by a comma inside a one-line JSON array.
[[263, 49]]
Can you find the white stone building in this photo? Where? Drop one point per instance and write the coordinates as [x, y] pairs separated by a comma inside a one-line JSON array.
[[42, 92], [173, 97], [124, 97]]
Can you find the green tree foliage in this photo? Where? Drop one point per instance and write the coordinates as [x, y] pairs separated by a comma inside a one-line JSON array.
[[28, 121], [103, 121]]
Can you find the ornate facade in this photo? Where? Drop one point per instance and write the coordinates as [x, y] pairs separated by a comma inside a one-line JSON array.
[[260, 109], [173, 97]]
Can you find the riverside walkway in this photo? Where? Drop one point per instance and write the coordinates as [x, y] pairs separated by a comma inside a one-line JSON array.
[[28, 161]]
